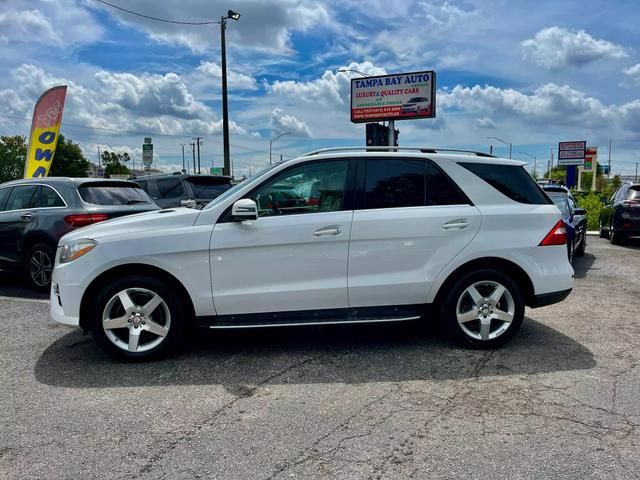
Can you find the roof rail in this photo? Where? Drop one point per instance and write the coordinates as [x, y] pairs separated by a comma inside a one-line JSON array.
[[399, 149]]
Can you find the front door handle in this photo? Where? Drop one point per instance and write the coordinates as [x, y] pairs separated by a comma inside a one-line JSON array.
[[26, 216], [457, 224], [331, 230]]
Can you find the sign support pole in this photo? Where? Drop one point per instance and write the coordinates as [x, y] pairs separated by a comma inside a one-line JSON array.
[[391, 134]]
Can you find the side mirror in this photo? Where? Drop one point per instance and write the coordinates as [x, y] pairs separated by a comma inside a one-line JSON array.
[[244, 209], [579, 211], [188, 203]]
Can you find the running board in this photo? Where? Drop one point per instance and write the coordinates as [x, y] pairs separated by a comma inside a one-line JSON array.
[[337, 316]]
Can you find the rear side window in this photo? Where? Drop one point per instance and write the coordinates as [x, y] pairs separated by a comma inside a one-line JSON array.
[[49, 198], [112, 193], [208, 188], [632, 194], [170, 188], [391, 183], [510, 180], [442, 190], [22, 197]]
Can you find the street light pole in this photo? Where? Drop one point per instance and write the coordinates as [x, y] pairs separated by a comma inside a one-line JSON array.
[[183, 169], [535, 163], [271, 140], [225, 109], [506, 143]]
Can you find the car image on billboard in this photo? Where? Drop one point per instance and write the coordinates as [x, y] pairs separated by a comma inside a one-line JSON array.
[[416, 106]]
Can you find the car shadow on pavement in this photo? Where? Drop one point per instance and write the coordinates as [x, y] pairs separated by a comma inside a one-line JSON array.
[[241, 360], [15, 284], [582, 265]]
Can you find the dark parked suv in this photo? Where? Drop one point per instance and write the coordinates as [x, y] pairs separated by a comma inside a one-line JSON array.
[[620, 217], [184, 190], [36, 213]]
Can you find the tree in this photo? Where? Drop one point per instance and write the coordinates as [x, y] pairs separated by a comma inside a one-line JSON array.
[[114, 163], [68, 161], [13, 151]]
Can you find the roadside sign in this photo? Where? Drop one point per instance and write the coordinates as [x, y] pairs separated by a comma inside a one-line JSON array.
[[571, 153], [590, 158], [147, 154], [216, 170], [404, 96], [147, 139]]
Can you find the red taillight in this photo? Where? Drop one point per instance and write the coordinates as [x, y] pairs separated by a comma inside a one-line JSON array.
[[84, 219], [631, 203], [557, 235]]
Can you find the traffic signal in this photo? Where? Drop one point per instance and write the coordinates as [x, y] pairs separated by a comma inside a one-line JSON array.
[[376, 135]]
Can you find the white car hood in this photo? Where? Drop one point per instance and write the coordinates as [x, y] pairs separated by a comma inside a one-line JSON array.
[[156, 220]]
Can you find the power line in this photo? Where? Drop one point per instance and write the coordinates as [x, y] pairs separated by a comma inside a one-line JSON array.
[[157, 19]]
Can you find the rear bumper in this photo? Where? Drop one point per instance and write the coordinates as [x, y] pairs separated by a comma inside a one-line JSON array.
[[544, 299]]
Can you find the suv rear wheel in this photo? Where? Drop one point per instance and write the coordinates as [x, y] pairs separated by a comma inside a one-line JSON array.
[[137, 318], [39, 264], [483, 309]]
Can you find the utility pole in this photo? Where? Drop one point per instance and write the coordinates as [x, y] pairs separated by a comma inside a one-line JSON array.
[[99, 161], [198, 143], [193, 151], [636, 171], [609, 173], [225, 108], [184, 170]]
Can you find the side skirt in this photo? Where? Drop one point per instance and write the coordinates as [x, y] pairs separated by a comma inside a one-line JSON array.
[[314, 317]]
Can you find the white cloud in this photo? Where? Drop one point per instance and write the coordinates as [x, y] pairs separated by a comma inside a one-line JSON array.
[[485, 122], [331, 89], [20, 25], [209, 71], [281, 122], [557, 48], [633, 73]]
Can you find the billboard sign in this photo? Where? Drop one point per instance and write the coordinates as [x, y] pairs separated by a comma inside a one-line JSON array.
[[404, 96], [590, 158], [571, 153], [147, 154]]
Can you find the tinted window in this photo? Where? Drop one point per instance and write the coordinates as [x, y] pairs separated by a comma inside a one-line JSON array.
[[442, 190], [393, 183], [632, 194], [49, 198], [560, 202], [108, 193], [313, 187], [4, 193], [22, 197], [145, 185], [510, 180], [208, 188], [170, 187]]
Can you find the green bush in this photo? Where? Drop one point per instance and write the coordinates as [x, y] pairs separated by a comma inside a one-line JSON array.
[[592, 204]]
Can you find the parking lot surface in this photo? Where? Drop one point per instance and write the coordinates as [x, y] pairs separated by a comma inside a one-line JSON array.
[[562, 400]]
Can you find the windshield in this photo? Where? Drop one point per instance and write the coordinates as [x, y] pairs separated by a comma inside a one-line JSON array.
[[234, 189], [561, 203]]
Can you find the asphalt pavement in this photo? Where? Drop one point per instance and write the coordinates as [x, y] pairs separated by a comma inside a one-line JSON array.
[[562, 400]]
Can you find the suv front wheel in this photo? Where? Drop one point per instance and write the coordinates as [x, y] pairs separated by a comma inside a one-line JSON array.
[[137, 318], [483, 309]]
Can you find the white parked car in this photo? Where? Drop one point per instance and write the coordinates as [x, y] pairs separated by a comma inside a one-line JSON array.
[[373, 236], [416, 106]]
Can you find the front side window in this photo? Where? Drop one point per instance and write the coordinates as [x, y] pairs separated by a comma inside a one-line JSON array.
[[309, 188], [392, 183], [22, 197]]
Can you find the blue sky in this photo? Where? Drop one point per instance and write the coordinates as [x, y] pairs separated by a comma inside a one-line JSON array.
[[530, 73]]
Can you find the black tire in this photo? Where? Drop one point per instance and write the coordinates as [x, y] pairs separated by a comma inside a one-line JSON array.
[[39, 266], [579, 251], [615, 238], [449, 308], [135, 284], [604, 233]]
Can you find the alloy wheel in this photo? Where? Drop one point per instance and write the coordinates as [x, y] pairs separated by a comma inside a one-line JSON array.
[[40, 268], [136, 320], [485, 310]]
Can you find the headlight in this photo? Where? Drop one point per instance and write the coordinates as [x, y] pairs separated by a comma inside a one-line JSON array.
[[76, 249]]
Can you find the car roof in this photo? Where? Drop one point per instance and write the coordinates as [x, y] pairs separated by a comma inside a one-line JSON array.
[[178, 175], [62, 180]]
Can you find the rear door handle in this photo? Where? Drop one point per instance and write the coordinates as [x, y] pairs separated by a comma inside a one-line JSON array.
[[328, 231], [457, 224]]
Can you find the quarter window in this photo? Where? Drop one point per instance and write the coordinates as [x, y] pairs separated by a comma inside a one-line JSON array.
[[309, 188], [49, 198], [392, 183], [4, 193], [22, 197]]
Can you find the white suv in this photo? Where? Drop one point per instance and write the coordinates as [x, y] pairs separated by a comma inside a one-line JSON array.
[[335, 236]]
